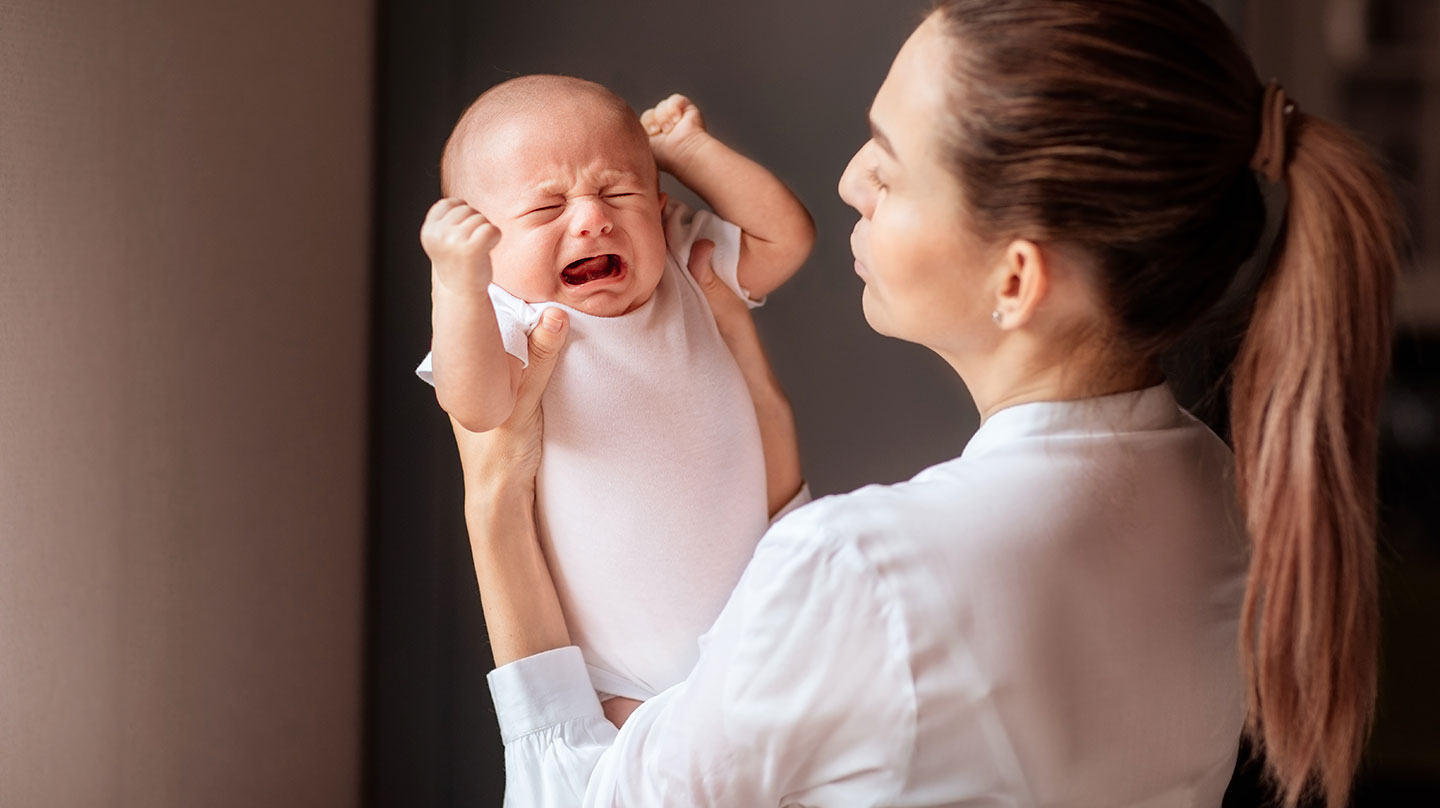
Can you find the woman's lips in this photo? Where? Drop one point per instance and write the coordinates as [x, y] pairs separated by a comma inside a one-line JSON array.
[[855, 251]]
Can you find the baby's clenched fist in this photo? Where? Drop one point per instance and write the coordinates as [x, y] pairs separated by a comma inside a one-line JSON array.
[[675, 127], [458, 240]]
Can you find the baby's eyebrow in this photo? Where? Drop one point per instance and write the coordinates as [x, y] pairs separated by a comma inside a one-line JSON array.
[[553, 188], [616, 176], [547, 188]]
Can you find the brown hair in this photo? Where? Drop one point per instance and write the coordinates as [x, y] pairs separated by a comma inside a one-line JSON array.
[[1127, 128]]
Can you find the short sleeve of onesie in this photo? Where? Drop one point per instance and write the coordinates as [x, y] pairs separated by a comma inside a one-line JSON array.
[[683, 227], [516, 319]]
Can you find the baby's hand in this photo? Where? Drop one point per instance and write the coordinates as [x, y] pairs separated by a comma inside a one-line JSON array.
[[458, 240], [676, 128]]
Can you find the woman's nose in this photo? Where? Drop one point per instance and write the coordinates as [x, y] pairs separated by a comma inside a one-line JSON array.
[[852, 189], [590, 216]]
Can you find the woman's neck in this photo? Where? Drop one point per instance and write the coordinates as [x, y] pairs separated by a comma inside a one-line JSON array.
[[1018, 373]]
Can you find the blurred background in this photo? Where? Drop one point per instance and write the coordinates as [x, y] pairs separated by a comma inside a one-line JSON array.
[[233, 568]]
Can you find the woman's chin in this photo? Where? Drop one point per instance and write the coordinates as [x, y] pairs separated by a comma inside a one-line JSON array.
[[874, 314]]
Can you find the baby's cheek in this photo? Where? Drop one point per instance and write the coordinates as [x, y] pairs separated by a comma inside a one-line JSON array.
[[522, 276], [650, 252], [657, 255]]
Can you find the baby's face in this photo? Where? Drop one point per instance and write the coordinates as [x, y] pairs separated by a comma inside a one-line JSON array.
[[578, 205]]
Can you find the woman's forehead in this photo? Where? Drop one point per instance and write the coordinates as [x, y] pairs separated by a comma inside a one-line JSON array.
[[914, 101]]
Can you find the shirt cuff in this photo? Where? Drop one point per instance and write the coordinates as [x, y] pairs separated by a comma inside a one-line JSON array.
[[542, 691]]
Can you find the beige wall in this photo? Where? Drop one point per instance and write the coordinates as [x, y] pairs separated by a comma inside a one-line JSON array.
[[184, 201]]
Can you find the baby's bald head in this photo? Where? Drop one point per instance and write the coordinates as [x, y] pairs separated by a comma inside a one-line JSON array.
[[541, 99]]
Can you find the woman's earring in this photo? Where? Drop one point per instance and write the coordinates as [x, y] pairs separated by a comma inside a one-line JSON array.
[[995, 315]]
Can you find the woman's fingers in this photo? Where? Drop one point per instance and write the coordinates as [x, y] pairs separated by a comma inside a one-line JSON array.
[[545, 343]]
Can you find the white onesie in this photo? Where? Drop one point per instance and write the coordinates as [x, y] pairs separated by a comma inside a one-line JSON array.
[[651, 490]]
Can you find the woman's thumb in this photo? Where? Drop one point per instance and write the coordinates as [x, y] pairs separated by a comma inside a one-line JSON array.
[[546, 340]]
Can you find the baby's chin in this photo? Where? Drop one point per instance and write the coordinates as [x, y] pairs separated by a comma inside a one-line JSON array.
[[611, 304]]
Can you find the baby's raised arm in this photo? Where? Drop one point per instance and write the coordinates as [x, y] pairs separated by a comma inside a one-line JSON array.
[[475, 379], [776, 230]]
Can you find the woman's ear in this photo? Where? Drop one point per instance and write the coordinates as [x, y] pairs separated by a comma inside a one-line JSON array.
[[1023, 279]]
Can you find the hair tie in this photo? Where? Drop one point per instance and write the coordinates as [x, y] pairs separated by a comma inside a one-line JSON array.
[[1270, 152]]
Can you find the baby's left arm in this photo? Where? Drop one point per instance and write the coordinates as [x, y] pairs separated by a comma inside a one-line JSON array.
[[776, 230]]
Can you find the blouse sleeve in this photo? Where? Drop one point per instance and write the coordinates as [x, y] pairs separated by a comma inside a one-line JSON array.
[[802, 696]]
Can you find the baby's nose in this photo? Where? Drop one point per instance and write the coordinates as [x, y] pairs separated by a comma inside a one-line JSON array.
[[591, 217]]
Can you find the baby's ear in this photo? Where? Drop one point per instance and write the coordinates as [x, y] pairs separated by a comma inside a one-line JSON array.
[[664, 198]]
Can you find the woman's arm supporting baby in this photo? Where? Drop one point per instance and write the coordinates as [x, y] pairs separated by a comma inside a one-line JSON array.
[[783, 476], [777, 232]]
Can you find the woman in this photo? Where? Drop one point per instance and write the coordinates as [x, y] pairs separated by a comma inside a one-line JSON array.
[[1069, 613]]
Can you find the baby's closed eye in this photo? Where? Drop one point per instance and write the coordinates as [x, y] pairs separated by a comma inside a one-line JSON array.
[[544, 213]]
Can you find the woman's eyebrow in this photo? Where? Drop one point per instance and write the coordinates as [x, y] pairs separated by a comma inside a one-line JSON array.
[[884, 142]]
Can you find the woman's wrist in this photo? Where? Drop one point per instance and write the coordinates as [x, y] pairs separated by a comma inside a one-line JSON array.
[[499, 508]]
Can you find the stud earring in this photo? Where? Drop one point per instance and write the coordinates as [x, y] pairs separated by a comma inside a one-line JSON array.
[[995, 315]]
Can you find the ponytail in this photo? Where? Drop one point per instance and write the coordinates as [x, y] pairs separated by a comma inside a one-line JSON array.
[[1304, 408]]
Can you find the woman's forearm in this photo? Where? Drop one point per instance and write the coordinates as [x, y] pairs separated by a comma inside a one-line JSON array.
[[522, 611], [783, 474]]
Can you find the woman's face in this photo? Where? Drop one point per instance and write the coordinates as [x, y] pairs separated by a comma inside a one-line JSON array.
[[913, 246]]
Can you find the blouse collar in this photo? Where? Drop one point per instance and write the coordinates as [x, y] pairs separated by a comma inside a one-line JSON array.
[[1149, 409]]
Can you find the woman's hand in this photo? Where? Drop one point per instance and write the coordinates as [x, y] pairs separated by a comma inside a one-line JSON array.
[[522, 611]]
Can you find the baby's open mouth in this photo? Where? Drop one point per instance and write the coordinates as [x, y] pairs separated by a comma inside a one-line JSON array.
[[594, 268]]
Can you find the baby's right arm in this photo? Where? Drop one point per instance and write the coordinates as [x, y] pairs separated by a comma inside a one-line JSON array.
[[475, 379]]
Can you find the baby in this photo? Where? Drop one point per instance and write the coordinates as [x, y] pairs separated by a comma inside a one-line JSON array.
[[653, 487]]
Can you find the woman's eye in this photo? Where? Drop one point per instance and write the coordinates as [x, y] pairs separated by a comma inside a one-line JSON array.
[[875, 180]]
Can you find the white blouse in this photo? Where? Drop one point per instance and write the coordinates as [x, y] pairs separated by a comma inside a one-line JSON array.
[[1049, 619]]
